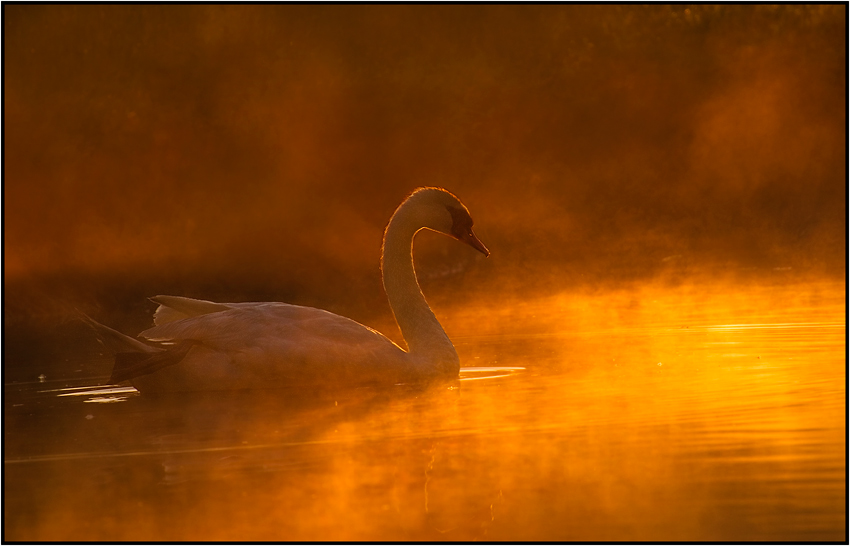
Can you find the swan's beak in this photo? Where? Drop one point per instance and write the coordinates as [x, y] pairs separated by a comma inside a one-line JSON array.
[[474, 242]]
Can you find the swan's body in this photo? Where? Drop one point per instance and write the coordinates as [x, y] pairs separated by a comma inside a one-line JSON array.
[[201, 345]]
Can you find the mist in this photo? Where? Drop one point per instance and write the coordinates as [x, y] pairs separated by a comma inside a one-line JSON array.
[[250, 151], [663, 313]]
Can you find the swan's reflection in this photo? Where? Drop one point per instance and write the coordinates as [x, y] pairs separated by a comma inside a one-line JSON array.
[[462, 496], [392, 451], [266, 419]]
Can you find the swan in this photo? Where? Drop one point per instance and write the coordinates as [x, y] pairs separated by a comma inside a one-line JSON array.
[[198, 345]]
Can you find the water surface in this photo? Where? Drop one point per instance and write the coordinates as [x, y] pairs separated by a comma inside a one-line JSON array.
[[661, 413]]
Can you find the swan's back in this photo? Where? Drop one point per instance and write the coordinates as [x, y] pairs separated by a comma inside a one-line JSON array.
[[261, 345], [173, 308]]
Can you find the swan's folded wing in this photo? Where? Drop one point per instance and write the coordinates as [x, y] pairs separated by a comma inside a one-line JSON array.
[[248, 327], [277, 342], [172, 308]]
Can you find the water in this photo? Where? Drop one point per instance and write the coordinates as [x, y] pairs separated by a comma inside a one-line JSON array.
[[662, 413]]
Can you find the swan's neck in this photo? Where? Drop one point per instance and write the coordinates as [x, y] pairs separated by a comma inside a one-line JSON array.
[[427, 342]]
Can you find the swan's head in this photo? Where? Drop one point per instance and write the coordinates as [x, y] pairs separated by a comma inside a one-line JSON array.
[[439, 210]]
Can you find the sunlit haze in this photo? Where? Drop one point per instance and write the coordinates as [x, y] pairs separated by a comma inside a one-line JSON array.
[[654, 349]]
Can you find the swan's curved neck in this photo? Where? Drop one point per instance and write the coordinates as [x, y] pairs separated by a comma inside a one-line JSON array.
[[425, 337]]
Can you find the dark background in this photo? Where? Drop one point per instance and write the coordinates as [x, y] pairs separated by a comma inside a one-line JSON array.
[[256, 152]]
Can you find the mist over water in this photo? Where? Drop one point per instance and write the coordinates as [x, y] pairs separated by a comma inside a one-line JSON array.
[[260, 150], [644, 176]]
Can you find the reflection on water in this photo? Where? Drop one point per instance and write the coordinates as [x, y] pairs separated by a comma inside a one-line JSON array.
[[698, 413]]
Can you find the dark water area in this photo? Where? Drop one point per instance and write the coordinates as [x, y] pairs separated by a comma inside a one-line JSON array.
[[655, 349]]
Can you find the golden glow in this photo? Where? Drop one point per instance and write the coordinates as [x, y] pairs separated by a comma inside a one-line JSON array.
[[689, 413], [661, 320]]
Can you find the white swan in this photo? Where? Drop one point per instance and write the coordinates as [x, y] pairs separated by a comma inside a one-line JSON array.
[[202, 345]]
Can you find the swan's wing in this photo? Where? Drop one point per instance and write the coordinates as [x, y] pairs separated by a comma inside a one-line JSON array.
[[261, 345], [278, 341], [244, 327], [173, 308]]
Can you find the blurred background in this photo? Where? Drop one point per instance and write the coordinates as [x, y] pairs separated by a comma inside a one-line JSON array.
[[256, 152]]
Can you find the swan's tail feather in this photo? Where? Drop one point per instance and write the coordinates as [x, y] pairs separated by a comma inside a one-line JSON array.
[[133, 357], [116, 341], [130, 365]]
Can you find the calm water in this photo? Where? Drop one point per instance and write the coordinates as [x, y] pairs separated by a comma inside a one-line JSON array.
[[690, 413]]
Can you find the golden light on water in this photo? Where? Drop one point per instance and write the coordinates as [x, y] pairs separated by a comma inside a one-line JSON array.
[[654, 351], [641, 415]]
